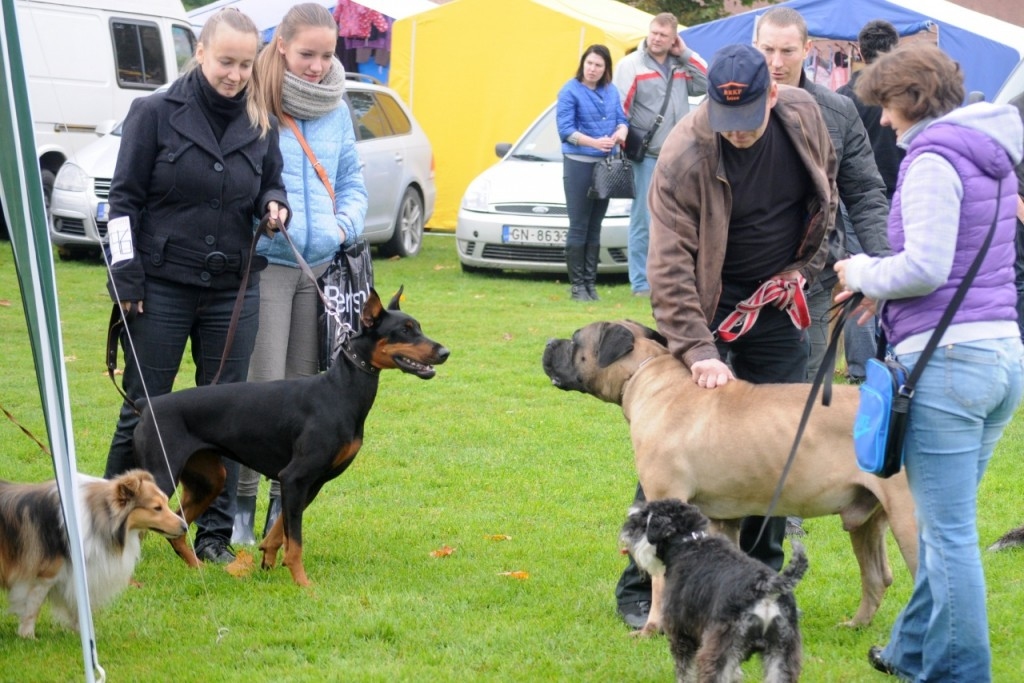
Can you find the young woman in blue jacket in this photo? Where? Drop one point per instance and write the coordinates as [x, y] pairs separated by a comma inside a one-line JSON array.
[[591, 124], [300, 79]]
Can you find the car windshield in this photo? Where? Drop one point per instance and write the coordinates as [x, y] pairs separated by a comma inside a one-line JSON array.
[[541, 142]]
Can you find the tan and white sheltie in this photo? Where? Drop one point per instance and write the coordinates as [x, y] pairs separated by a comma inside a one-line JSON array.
[[34, 557]]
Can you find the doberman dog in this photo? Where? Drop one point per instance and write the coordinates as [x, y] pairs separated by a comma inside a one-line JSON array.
[[302, 432]]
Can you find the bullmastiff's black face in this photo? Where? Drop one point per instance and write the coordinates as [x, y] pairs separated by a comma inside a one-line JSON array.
[[600, 357]]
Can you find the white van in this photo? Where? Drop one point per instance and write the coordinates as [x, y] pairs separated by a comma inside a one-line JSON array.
[[86, 60]]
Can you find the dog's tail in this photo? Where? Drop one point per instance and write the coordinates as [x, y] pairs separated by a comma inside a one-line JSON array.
[[794, 571], [1010, 539]]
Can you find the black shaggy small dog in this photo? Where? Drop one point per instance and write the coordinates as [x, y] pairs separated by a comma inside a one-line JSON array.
[[720, 606]]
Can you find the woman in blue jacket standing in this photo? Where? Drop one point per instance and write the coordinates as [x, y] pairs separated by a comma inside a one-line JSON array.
[[591, 123], [302, 84]]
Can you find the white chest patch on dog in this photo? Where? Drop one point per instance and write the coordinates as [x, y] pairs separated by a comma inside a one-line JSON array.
[[646, 555]]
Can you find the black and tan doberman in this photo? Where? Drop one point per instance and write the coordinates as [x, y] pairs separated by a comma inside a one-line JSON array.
[[302, 432]]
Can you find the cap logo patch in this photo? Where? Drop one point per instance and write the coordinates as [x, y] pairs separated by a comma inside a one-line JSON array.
[[732, 91]]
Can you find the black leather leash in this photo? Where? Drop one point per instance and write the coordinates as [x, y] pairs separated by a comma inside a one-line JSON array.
[[117, 321]]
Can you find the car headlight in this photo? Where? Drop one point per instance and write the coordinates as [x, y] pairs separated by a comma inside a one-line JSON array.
[[476, 197], [72, 179]]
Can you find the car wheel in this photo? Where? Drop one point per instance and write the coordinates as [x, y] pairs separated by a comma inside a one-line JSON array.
[[48, 178], [407, 237]]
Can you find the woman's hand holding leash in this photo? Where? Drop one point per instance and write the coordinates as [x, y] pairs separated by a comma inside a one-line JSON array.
[[275, 218], [867, 307]]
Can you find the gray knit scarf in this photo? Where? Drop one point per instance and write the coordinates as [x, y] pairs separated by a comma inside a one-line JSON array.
[[305, 100]]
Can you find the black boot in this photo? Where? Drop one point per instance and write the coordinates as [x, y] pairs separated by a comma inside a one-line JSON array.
[[273, 512], [591, 256], [574, 261]]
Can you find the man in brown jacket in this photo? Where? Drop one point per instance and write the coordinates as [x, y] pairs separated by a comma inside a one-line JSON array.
[[742, 200]]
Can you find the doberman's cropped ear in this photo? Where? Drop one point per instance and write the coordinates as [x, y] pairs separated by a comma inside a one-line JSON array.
[[615, 342], [372, 310], [396, 299]]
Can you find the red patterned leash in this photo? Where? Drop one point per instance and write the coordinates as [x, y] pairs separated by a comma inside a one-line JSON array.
[[785, 295]]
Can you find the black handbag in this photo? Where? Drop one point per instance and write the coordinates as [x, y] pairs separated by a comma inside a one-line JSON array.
[[613, 178], [346, 286]]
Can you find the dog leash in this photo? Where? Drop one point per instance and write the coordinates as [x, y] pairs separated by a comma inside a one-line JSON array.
[[785, 295], [117, 322], [822, 381], [345, 347]]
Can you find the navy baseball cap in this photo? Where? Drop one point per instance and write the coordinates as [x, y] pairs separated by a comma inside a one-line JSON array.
[[738, 85]]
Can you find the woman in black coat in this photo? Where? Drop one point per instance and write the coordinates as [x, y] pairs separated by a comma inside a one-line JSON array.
[[198, 167]]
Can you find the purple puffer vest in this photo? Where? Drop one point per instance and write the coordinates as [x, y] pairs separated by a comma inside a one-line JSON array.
[[992, 296]]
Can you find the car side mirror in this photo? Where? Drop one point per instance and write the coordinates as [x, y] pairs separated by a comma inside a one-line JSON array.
[[502, 148]]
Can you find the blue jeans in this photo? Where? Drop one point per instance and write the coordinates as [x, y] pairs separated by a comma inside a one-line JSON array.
[[174, 314], [585, 214], [640, 225], [964, 399]]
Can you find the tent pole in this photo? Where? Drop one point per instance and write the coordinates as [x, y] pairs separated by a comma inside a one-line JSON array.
[[22, 195]]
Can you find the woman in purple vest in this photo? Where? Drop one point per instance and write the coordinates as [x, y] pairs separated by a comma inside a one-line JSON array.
[[957, 177]]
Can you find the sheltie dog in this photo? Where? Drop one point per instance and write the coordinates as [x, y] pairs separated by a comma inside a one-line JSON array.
[[34, 555]]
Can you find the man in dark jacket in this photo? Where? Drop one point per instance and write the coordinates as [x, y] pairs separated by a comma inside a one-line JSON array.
[[876, 37], [782, 38]]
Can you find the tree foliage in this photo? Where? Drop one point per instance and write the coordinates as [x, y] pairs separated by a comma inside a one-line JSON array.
[[689, 12]]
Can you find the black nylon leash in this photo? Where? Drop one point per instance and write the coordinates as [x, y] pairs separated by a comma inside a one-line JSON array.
[[823, 382]]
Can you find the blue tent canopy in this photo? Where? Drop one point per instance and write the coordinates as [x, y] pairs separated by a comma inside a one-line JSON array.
[[986, 62]]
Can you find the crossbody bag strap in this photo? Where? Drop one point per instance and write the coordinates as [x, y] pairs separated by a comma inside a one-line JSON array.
[[947, 317], [320, 171], [664, 107], [668, 96]]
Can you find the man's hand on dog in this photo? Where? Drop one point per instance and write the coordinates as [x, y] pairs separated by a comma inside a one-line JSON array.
[[710, 373]]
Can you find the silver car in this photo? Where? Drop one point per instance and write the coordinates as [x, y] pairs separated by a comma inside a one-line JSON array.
[[513, 215], [397, 163]]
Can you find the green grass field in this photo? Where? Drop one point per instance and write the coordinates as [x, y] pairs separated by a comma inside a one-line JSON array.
[[487, 448]]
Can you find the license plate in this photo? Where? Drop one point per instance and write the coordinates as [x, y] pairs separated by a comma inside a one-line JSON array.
[[101, 211], [511, 234]]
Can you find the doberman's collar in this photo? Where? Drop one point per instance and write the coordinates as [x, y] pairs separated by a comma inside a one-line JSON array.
[[360, 364]]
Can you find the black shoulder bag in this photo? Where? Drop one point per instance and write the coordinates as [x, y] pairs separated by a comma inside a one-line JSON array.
[[638, 139]]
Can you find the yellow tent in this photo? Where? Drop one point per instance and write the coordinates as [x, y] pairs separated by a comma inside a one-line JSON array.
[[477, 72]]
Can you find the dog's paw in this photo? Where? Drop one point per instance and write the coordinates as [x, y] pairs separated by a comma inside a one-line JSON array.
[[647, 631]]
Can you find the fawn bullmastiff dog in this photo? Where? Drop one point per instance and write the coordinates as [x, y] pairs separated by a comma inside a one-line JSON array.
[[724, 449]]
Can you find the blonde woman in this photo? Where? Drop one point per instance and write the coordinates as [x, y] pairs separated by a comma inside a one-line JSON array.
[[199, 165], [302, 84]]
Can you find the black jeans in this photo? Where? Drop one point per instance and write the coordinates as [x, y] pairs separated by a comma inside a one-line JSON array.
[[585, 214], [175, 314], [773, 351]]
